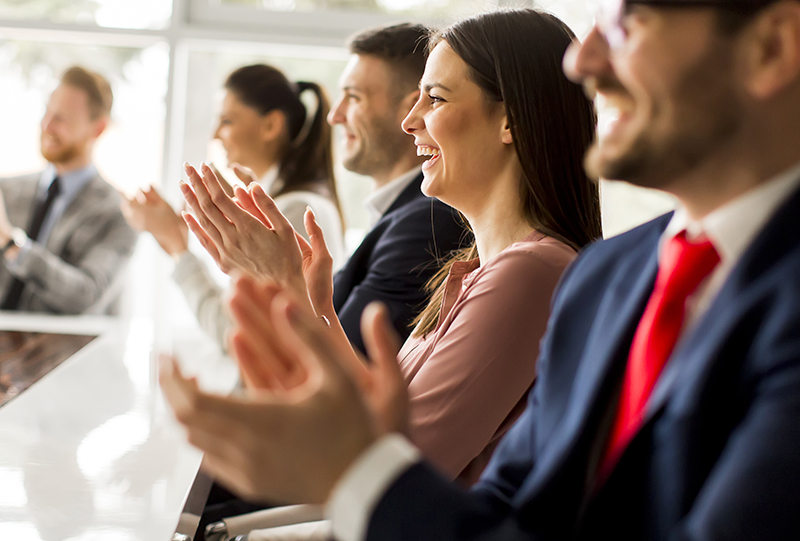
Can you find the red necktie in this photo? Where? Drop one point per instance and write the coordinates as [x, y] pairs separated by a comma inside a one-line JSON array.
[[683, 267]]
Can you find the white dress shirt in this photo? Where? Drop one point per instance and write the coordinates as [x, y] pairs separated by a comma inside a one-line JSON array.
[[379, 201], [731, 229]]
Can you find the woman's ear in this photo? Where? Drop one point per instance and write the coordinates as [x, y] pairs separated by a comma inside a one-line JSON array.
[[273, 125], [505, 133]]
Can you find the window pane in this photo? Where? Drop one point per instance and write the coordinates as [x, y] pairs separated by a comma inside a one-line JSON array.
[[142, 14], [410, 7], [572, 12]]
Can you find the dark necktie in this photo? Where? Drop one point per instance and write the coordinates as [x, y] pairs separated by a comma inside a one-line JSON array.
[[683, 267], [37, 219]]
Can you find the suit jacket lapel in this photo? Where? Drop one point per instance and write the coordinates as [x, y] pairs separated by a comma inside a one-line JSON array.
[[604, 355], [696, 349], [412, 191], [75, 215], [353, 270], [20, 200]]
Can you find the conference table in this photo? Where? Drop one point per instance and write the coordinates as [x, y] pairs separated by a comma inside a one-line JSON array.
[[88, 448]]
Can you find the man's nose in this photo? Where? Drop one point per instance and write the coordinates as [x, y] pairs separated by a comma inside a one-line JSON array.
[[336, 115], [588, 59]]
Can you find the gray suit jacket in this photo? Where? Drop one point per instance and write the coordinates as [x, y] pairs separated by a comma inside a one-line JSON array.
[[79, 269]]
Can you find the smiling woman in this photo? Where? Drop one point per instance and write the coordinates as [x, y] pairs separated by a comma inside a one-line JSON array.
[[506, 132]]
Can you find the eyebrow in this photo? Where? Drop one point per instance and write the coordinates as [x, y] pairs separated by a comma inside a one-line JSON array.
[[430, 86]]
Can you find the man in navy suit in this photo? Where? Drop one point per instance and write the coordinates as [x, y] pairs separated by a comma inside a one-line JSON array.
[[410, 232], [667, 405]]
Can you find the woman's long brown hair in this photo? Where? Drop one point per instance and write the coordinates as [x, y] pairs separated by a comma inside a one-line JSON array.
[[515, 57]]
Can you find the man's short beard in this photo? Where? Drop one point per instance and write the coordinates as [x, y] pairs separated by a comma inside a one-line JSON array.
[[699, 132], [61, 156], [653, 164], [383, 153]]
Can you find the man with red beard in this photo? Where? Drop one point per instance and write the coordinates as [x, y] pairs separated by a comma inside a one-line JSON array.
[[63, 238]]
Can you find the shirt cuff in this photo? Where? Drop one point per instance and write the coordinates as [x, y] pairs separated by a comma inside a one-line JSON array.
[[363, 485], [16, 265]]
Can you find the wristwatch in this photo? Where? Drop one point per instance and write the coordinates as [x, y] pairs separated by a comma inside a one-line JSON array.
[[18, 238]]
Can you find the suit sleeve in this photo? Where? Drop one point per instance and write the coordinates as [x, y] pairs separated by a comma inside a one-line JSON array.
[[421, 505], [75, 289], [484, 363], [403, 260]]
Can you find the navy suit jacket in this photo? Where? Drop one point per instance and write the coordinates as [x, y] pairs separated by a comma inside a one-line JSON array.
[[395, 260], [719, 454]]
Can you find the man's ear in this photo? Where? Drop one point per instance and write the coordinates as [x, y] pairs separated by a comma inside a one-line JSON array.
[[100, 126], [773, 44], [273, 125]]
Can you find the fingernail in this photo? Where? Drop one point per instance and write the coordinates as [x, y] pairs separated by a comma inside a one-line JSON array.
[[309, 209], [205, 167]]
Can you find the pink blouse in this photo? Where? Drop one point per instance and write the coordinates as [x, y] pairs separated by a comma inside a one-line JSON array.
[[468, 379]]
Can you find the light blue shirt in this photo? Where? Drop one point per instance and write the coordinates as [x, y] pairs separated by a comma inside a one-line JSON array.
[[70, 184]]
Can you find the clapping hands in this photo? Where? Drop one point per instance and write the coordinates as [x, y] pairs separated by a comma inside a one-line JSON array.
[[148, 211], [248, 234], [308, 413]]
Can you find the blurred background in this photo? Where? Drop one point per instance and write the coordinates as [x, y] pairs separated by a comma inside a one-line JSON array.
[[167, 61]]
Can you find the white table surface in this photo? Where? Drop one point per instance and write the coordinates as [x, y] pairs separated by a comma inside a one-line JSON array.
[[90, 451]]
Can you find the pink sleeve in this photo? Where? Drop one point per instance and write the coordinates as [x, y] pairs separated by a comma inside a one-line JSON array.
[[486, 361]]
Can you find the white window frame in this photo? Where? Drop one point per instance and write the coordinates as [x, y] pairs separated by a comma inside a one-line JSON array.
[[329, 26]]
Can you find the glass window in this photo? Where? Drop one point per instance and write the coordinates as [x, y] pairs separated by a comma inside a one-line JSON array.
[[405, 7], [140, 14], [572, 12]]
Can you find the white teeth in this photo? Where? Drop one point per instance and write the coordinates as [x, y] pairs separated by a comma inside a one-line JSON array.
[[424, 150], [612, 106]]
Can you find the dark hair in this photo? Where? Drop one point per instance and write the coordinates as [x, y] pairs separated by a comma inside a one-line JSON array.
[[515, 57], [94, 85], [733, 16], [402, 46], [307, 163]]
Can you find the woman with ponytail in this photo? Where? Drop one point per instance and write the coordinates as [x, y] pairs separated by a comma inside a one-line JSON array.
[[270, 139]]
